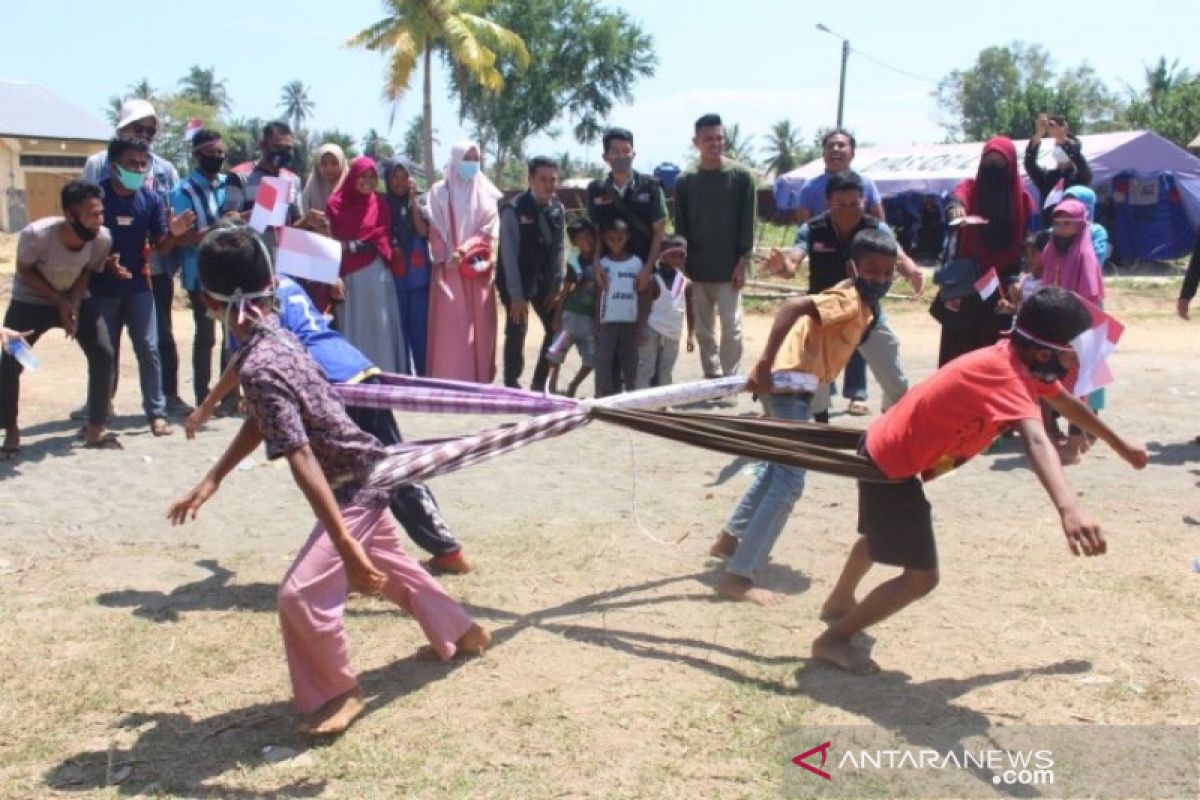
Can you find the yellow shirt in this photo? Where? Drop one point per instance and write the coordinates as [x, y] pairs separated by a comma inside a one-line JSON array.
[[823, 345]]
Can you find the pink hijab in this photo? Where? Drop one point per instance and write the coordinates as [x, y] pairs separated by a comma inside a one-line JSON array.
[[357, 216], [1077, 270], [474, 203]]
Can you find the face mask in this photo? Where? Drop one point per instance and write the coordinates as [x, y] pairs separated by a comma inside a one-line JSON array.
[[1062, 243], [621, 164], [130, 180], [83, 232], [279, 158], [993, 172], [467, 170], [870, 291], [210, 165]]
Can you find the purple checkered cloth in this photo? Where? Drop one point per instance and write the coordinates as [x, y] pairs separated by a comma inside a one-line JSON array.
[[436, 396]]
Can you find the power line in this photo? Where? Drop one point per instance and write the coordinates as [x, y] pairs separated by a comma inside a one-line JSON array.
[[904, 72]]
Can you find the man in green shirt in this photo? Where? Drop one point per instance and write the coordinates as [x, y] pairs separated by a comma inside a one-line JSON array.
[[714, 211]]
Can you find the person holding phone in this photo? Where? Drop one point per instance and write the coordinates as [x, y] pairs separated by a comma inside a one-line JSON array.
[[1071, 168]]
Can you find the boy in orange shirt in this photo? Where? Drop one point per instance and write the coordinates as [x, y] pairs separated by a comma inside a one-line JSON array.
[[938, 425]]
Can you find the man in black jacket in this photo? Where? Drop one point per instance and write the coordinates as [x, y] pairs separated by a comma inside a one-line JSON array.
[[1071, 168], [531, 267]]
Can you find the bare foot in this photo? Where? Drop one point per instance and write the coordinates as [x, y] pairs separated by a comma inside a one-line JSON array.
[[735, 587], [1068, 453], [724, 547], [472, 643], [843, 655], [160, 427], [335, 716]]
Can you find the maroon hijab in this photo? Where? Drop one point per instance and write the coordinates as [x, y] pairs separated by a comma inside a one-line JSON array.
[[354, 215], [992, 247]]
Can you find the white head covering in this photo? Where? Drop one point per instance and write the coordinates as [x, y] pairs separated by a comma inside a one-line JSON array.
[[134, 109], [474, 201], [316, 191]]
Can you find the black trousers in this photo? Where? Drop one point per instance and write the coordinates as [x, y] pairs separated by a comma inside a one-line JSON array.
[[92, 335], [164, 296], [202, 347], [514, 344], [413, 505]]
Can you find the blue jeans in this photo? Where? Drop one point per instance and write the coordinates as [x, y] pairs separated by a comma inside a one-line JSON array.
[[764, 508], [136, 310], [855, 387]]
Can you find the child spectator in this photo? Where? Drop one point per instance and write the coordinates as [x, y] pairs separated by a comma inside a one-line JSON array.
[[620, 313], [670, 290], [296, 412], [937, 426], [575, 318]]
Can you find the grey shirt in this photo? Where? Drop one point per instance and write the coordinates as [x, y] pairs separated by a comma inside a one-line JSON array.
[[40, 244]]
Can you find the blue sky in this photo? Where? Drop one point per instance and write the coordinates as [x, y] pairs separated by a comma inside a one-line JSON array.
[[753, 61]]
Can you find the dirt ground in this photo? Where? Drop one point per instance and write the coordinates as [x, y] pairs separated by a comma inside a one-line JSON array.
[[137, 659]]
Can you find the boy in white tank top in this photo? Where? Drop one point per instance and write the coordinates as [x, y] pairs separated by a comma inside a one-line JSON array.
[[658, 344]]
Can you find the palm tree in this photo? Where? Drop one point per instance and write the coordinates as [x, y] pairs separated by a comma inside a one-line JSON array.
[[739, 149], [414, 29], [376, 146], [784, 147], [295, 104], [1162, 78], [202, 86], [142, 90]]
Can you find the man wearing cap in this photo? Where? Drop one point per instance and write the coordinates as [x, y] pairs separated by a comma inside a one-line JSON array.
[[138, 121]]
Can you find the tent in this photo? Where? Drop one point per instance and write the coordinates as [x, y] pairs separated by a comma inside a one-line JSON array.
[[938, 168]]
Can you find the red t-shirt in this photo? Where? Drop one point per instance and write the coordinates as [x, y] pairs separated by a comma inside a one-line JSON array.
[[956, 414]]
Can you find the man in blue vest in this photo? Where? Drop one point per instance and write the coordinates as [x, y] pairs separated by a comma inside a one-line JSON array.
[[532, 251], [825, 241]]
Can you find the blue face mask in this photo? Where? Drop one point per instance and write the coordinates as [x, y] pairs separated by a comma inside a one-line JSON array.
[[130, 180], [870, 291], [467, 170]]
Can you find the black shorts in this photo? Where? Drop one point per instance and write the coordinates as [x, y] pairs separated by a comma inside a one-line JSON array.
[[896, 519]]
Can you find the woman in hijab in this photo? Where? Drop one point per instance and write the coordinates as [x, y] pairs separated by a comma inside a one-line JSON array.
[[997, 195], [1086, 196], [462, 307], [410, 256], [328, 172], [359, 218]]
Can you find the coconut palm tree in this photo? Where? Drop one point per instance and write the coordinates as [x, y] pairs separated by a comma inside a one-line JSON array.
[[142, 90], [296, 105], [414, 29], [202, 86], [739, 149], [784, 147]]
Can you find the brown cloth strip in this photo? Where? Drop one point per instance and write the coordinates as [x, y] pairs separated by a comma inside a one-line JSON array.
[[822, 448]]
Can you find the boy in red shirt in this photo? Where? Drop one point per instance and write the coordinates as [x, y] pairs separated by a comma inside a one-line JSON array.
[[937, 426]]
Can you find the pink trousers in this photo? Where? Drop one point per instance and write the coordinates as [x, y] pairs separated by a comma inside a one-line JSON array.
[[312, 602]]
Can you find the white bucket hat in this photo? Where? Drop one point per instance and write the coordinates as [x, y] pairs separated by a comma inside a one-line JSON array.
[[134, 109]]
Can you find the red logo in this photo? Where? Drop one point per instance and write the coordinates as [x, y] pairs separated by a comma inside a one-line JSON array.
[[800, 761]]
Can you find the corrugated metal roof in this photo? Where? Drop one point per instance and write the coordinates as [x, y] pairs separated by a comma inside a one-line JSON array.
[[33, 111]]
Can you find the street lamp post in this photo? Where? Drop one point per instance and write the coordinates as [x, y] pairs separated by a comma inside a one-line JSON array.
[[842, 82]]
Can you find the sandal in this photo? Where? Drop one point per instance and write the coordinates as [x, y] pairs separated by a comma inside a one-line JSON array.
[[107, 442], [858, 408]]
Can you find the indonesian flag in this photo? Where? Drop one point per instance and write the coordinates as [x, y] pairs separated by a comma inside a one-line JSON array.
[[270, 204], [988, 284], [1056, 194], [1093, 347], [679, 285], [303, 254], [192, 128]]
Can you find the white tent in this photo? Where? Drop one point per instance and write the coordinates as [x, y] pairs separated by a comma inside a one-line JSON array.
[[937, 168]]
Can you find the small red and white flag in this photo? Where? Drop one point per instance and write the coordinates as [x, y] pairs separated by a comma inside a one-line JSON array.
[[1056, 194], [307, 255], [194, 126], [988, 284], [1093, 347], [271, 204], [679, 285]]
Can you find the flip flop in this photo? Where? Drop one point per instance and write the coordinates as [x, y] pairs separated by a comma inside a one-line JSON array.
[[109, 442]]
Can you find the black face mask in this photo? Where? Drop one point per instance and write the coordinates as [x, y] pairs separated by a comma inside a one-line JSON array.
[[1062, 243], [210, 165], [279, 158], [83, 232]]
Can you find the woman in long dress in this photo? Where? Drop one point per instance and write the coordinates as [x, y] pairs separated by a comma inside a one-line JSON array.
[[462, 308], [410, 256], [359, 218]]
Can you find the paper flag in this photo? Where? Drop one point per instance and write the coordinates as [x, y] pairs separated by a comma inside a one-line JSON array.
[[988, 284], [307, 255], [679, 284], [271, 204], [194, 126], [1093, 347]]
